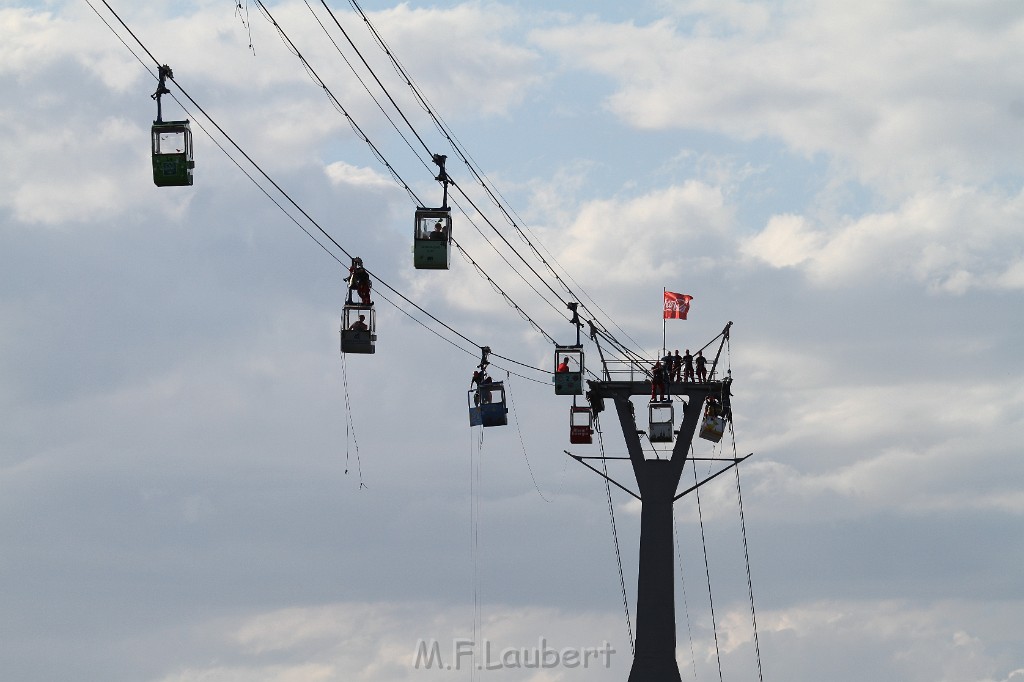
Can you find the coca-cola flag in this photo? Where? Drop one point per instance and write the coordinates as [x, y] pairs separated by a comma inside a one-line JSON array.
[[676, 305]]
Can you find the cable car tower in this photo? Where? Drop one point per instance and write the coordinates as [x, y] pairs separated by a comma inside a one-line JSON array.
[[657, 479]]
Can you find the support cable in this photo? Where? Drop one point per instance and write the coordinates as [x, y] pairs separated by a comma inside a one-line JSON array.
[[707, 571], [750, 582], [350, 426], [474, 535], [686, 603], [615, 536], [366, 88], [428, 151], [743, 527], [522, 443], [294, 49], [457, 147], [285, 194]]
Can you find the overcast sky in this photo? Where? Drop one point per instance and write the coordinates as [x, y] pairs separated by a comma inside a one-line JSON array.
[[196, 486]]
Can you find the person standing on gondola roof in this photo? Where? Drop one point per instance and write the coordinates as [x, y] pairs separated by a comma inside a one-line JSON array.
[[359, 280]]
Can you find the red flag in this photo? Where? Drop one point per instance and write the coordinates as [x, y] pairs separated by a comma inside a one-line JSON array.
[[676, 305]]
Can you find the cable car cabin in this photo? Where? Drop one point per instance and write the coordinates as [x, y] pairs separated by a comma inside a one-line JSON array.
[[581, 430], [662, 421], [712, 428], [568, 370], [487, 405], [431, 246], [358, 328], [172, 154]]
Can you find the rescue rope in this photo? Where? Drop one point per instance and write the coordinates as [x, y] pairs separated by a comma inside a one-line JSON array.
[[686, 603], [350, 425], [615, 535], [743, 529], [475, 460], [519, 432], [707, 571]]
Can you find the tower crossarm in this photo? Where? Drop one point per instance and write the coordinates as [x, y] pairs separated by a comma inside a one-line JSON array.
[[611, 389], [695, 394]]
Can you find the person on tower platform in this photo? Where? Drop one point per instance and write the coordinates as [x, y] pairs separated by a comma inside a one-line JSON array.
[[702, 367], [687, 366], [658, 383]]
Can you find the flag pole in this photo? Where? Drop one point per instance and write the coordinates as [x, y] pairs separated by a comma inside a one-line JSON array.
[[664, 347]]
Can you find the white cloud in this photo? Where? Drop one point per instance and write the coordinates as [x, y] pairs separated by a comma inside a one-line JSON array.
[[950, 241], [381, 641], [340, 173], [903, 95], [786, 241]]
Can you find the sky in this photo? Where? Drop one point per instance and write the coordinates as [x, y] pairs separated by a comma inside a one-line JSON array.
[[196, 486]]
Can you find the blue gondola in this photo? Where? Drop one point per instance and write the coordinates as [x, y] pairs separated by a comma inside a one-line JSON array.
[[487, 405]]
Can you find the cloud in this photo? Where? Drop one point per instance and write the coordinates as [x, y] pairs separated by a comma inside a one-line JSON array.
[[785, 242], [383, 641], [341, 173], [900, 96], [949, 241]]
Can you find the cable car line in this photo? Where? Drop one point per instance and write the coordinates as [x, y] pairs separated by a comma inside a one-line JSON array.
[[457, 147], [426, 148], [511, 303], [368, 68], [298, 207], [294, 49], [359, 131], [291, 200], [596, 331], [367, 89], [472, 262], [203, 128], [444, 130]]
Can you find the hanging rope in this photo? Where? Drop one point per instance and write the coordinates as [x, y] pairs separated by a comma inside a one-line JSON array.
[[747, 553], [686, 603], [475, 460], [707, 571], [519, 431], [615, 535], [743, 528], [750, 583], [350, 425]]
